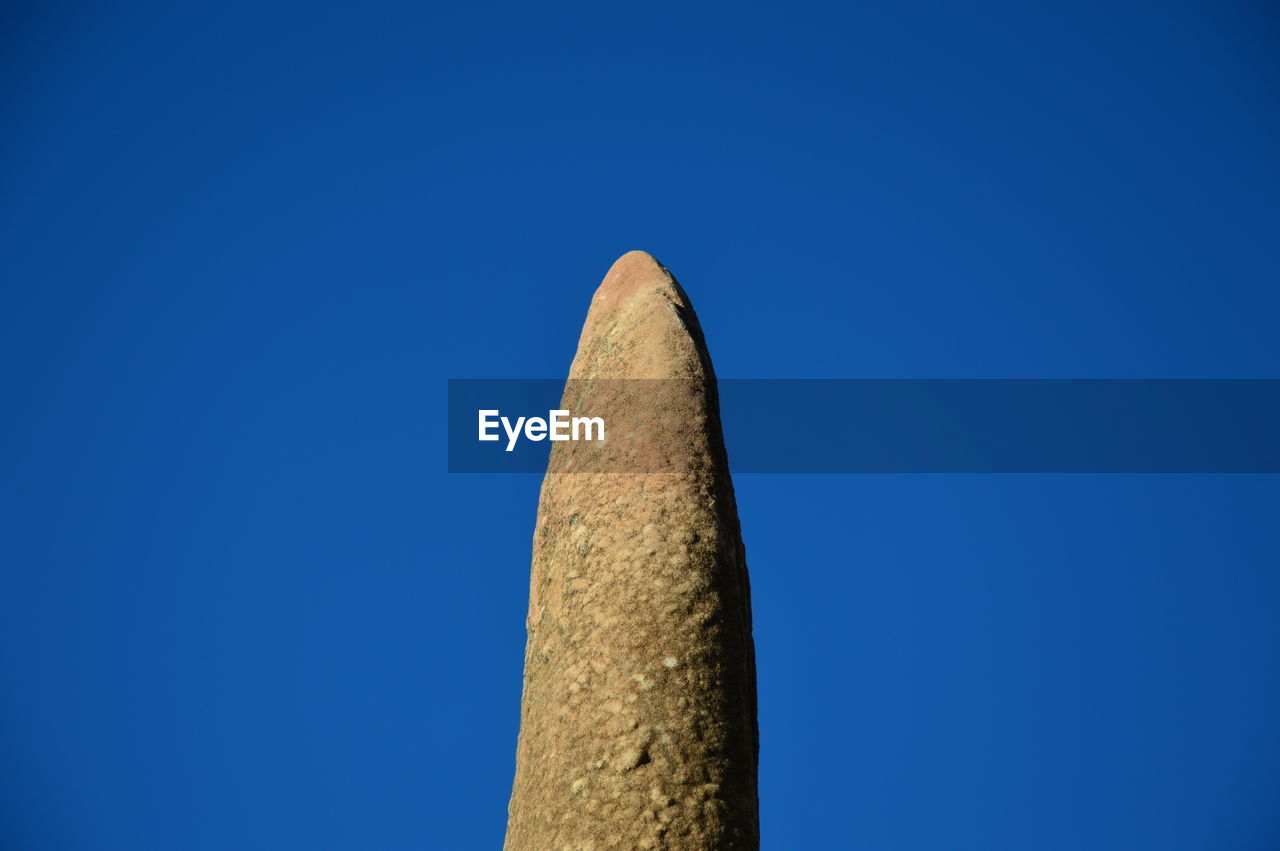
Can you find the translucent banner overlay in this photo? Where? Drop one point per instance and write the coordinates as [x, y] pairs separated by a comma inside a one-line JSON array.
[[870, 426]]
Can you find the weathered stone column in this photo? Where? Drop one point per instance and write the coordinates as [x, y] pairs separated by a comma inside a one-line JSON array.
[[638, 719]]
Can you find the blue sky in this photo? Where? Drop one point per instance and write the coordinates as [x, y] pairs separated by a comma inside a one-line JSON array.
[[242, 605]]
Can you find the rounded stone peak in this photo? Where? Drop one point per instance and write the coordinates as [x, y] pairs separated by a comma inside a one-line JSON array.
[[632, 273], [640, 325], [636, 259]]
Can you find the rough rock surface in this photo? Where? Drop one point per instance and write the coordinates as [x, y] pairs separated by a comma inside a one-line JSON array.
[[638, 718]]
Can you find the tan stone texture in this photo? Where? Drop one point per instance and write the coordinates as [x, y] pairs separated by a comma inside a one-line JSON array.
[[638, 718]]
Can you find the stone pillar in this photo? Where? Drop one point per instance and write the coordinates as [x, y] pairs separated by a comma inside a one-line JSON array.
[[638, 717]]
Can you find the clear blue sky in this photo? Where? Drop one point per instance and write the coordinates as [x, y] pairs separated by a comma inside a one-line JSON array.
[[242, 246]]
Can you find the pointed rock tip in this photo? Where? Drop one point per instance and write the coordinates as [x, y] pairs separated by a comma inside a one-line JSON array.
[[640, 325], [637, 262], [630, 274]]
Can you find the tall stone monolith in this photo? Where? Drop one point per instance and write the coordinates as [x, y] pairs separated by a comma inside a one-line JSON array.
[[638, 717]]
